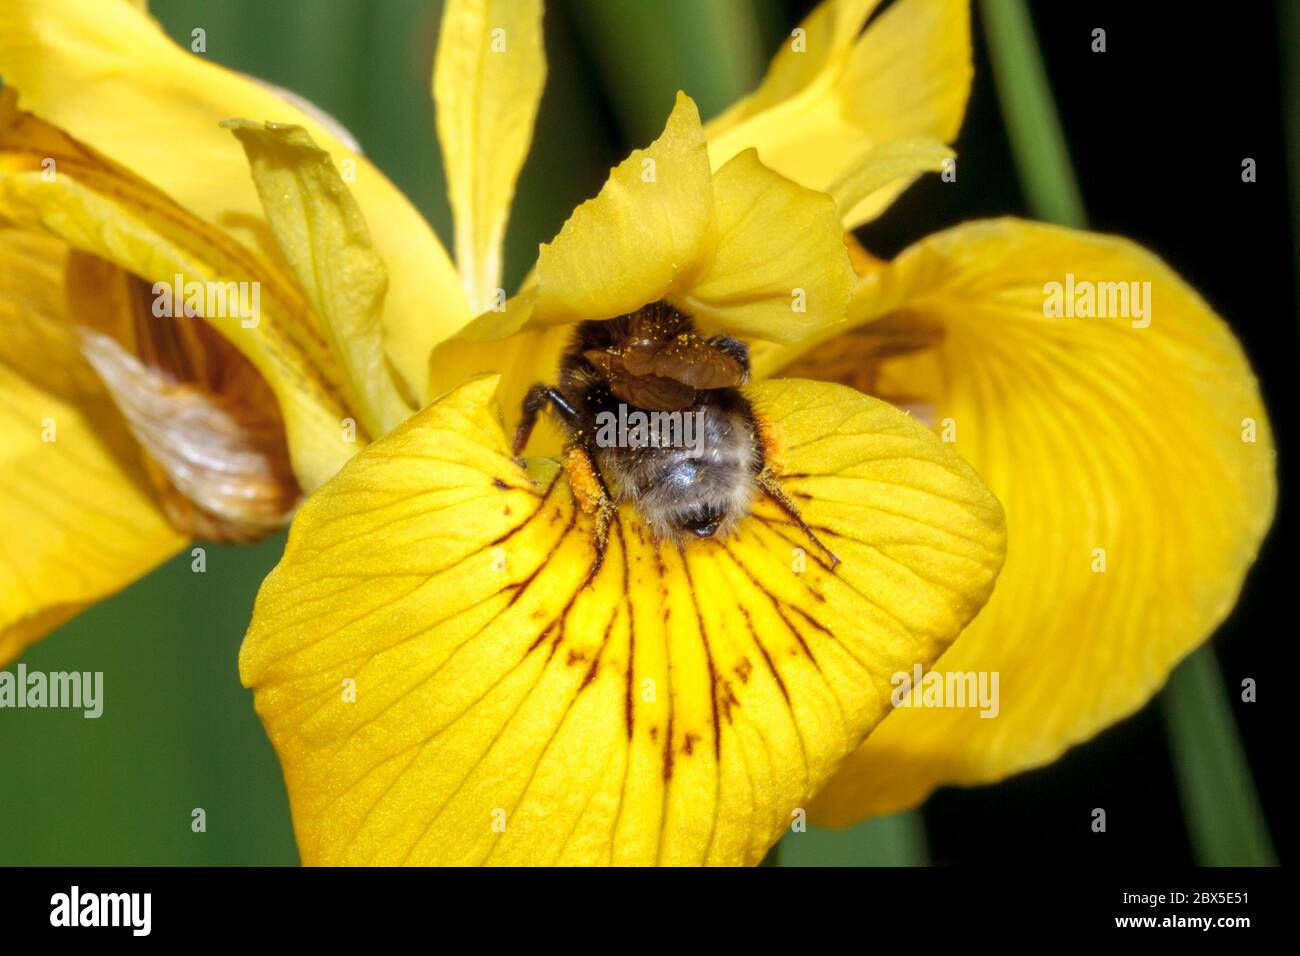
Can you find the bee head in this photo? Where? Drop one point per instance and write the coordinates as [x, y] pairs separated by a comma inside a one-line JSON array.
[[696, 499], [701, 520]]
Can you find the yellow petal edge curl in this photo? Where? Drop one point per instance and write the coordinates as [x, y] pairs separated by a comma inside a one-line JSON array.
[[442, 688]]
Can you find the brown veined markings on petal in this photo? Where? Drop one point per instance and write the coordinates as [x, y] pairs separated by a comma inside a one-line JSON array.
[[672, 743], [811, 670], [675, 712], [511, 589], [752, 757]]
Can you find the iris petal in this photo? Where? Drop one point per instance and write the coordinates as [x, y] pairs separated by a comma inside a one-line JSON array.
[[487, 84], [103, 209], [83, 519], [781, 269], [835, 92], [649, 231], [70, 57], [442, 687], [324, 237], [1131, 451]]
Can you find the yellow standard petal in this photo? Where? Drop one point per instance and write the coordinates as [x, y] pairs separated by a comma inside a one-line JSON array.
[[1116, 418], [323, 235], [831, 96], [648, 233], [781, 270], [80, 519], [443, 689], [744, 250], [487, 84], [71, 57]]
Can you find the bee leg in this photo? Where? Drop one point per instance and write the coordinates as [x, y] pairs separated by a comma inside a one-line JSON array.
[[593, 497], [771, 451], [537, 398], [772, 488]]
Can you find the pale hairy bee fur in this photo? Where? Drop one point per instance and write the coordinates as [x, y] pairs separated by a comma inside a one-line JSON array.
[[681, 496], [679, 493]]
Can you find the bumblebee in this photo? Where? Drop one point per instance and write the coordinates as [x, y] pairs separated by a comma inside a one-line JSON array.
[[698, 466]]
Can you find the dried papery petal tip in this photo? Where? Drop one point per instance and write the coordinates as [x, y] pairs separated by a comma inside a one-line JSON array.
[[215, 450]]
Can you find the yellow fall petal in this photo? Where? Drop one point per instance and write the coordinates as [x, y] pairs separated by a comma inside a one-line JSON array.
[[442, 688], [101, 208], [781, 269], [80, 518], [487, 84], [647, 234], [831, 96], [70, 57], [323, 235], [1134, 459]]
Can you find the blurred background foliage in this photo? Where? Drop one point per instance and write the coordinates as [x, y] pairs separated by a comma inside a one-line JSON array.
[[179, 733]]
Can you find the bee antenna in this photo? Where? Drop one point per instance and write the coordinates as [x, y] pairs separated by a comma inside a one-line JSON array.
[[767, 481]]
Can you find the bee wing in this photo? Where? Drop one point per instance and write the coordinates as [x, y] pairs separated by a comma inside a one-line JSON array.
[[652, 392], [687, 359]]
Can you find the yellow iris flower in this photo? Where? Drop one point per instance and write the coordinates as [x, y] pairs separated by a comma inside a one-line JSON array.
[[439, 679]]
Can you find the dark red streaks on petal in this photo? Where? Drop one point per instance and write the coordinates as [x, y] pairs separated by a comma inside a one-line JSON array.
[[727, 699], [523, 585], [628, 708], [668, 763], [708, 656], [562, 618], [531, 515], [774, 525], [778, 607], [812, 621], [753, 632], [596, 658]]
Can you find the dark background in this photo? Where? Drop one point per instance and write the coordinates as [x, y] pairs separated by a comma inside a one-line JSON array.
[[1157, 127]]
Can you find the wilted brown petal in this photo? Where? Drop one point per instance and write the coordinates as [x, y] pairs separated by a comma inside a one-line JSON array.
[[207, 422]]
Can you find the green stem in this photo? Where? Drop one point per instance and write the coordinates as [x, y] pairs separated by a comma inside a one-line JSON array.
[[1220, 804], [1037, 140], [1219, 799]]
